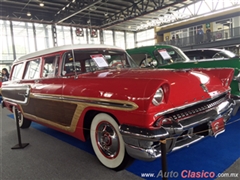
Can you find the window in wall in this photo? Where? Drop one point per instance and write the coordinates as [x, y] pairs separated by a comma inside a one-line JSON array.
[[130, 40], [44, 36], [67, 35], [32, 69], [119, 39], [63, 35], [6, 51], [79, 38], [108, 37], [31, 41], [145, 35], [60, 36], [23, 38], [48, 36], [146, 43], [17, 72], [223, 29], [236, 26]]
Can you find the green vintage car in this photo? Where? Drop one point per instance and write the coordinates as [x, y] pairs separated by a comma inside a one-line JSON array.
[[171, 57]]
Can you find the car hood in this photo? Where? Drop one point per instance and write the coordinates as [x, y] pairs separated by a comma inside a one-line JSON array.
[[185, 86]]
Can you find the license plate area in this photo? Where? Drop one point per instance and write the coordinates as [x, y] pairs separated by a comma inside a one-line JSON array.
[[218, 126]]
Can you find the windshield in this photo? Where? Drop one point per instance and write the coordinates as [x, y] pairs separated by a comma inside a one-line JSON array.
[[89, 60], [170, 55]]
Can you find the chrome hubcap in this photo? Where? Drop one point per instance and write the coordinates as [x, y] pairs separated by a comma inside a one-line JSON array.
[[107, 140]]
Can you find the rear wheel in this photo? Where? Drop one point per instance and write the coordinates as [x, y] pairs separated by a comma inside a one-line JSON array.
[[107, 142], [22, 121]]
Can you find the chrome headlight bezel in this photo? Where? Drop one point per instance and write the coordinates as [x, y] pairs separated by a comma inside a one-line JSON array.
[[158, 97]]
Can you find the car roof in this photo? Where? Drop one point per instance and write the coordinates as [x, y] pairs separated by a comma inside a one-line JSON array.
[[204, 49], [152, 46], [65, 48]]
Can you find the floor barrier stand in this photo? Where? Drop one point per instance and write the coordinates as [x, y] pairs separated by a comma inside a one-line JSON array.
[[164, 160], [20, 145]]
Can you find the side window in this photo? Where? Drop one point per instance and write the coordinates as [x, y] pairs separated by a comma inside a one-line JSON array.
[[69, 67], [148, 62], [51, 66], [158, 57], [218, 55], [138, 58], [17, 72], [32, 69], [90, 65]]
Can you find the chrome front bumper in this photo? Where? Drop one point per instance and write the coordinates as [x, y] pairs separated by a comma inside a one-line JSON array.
[[144, 144]]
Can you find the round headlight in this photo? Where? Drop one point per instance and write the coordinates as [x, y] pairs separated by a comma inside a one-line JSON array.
[[158, 97]]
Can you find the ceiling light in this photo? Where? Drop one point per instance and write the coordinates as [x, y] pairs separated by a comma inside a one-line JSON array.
[[28, 13], [41, 4]]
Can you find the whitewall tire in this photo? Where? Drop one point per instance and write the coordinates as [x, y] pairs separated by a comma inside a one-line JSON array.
[[23, 122], [107, 142]]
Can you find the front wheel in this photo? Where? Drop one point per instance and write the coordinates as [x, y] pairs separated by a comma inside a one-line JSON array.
[[107, 142], [22, 121]]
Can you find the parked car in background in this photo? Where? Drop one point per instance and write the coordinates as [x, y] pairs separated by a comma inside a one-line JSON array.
[[90, 91], [171, 57], [209, 54]]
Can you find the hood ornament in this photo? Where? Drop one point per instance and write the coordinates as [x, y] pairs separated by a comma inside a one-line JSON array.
[[203, 86]]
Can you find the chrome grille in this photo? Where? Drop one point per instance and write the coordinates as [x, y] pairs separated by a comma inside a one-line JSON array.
[[198, 108]]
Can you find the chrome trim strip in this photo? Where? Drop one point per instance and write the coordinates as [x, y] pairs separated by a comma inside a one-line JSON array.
[[16, 101], [27, 88], [142, 154], [47, 96], [186, 106], [95, 101], [187, 144], [140, 136]]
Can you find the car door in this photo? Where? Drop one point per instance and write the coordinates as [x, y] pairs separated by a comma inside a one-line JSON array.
[[13, 90], [47, 93], [28, 79]]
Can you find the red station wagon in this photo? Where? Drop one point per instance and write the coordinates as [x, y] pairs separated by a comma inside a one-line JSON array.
[[89, 91]]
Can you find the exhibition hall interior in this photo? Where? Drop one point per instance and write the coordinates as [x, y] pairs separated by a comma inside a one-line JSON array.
[[120, 89]]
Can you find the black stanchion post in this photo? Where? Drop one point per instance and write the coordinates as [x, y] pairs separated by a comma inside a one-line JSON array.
[[20, 145], [164, 160]]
